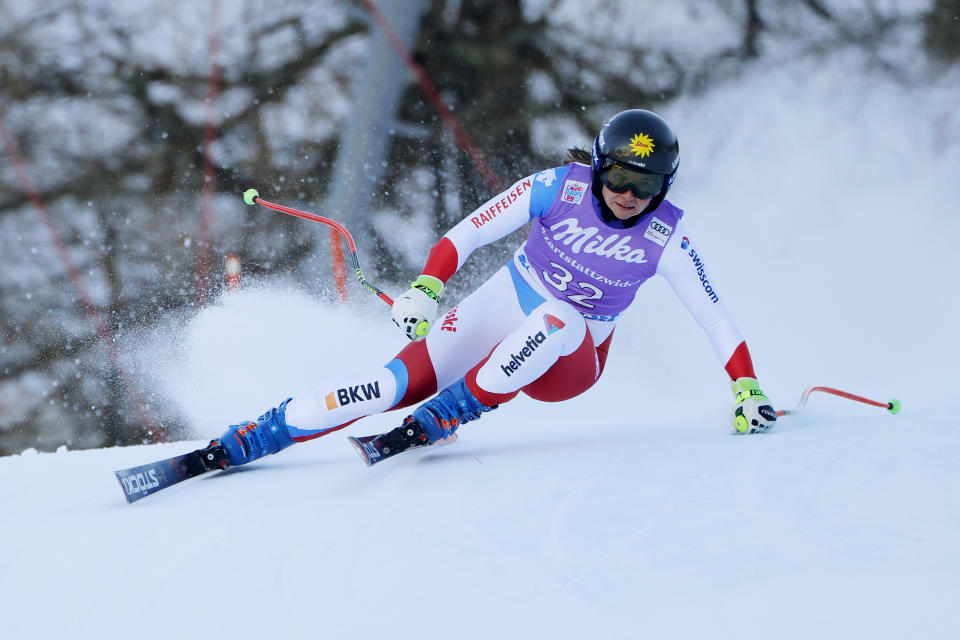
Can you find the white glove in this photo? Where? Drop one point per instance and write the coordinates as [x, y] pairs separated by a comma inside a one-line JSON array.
[[415, 310], [753, 411]]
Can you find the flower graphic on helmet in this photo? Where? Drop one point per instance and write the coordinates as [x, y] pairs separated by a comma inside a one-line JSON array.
[[641, 144]]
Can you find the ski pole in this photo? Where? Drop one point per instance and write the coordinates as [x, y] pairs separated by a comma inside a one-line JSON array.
[[893, 406], [251, 197]]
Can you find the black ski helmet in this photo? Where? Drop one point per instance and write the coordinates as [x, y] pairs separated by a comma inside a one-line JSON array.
[[638, 141]]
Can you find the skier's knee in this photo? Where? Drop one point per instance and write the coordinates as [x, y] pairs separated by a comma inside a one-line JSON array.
[[560, 316], [569, 376]]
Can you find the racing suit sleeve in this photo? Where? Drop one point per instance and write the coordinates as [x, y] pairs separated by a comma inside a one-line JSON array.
[[683, 267], [497, 217]]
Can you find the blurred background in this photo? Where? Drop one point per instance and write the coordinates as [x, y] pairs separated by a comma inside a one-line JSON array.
[[130, 129]]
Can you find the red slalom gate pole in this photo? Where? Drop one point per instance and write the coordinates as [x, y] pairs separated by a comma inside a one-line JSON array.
[[893, 406], [251, 197], [208, 166], [233, 272], [339, 272]]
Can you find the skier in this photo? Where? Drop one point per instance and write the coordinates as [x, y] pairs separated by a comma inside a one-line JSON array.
[[601, 228]]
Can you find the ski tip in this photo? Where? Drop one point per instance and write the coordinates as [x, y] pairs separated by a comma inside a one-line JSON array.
[[359, 447], [131, 495]]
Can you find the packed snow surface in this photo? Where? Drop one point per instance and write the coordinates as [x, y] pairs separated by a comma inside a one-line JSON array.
[[629, 512]]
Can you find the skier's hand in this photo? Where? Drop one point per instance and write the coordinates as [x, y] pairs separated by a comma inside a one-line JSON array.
[[753, 411], [415, 310]]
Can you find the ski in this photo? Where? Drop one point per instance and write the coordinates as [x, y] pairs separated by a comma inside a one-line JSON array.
[[140, 482], [379, 447]]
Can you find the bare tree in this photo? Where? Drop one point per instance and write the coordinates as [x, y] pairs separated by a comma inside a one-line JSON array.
[[107, 111]]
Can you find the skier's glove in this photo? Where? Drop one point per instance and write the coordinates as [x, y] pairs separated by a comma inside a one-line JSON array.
[[753, 411], [415, 310]]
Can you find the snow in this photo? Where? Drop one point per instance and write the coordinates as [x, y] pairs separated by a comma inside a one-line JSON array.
[[627, 512], [840, 524]]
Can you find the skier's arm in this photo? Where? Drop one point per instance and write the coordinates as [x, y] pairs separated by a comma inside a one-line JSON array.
[[683, 267], [415, 310], [497, 217]]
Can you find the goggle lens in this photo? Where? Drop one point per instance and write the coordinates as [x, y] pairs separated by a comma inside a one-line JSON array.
[[618, 178]]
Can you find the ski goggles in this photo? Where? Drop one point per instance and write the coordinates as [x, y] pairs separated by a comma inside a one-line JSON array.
[[618, 178]]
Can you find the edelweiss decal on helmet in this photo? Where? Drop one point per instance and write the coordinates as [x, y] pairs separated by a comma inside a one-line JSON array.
[[642, 145]]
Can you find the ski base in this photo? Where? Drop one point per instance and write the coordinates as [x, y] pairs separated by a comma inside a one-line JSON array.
[[140, 482], [377, 448]]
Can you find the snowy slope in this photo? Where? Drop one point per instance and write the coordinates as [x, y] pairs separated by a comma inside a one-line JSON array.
[[626, 513], [834, 527]]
